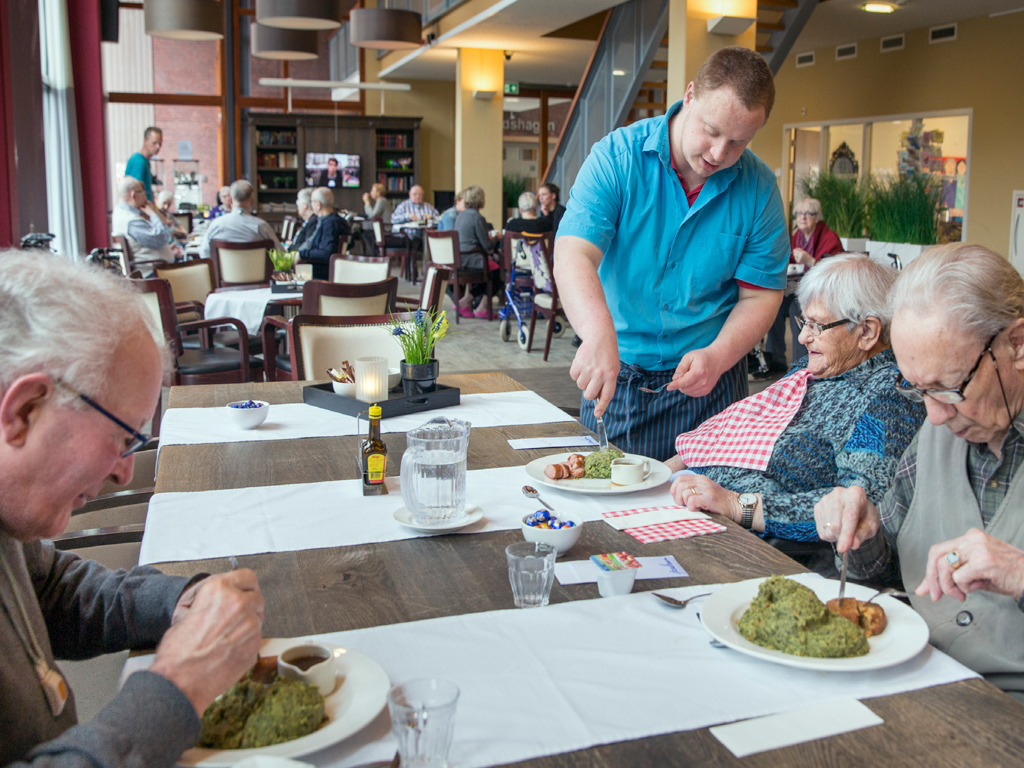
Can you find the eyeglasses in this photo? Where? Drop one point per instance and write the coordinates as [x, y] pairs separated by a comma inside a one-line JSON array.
[[815, 329], [131, 445], [947, 396], [805, 213]]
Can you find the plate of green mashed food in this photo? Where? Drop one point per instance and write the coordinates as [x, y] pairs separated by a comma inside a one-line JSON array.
[[784, 620], [598, 473], [251, 716]]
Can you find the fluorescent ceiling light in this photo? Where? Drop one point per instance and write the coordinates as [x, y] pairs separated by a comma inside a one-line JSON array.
[[879, 7], [619, 72]]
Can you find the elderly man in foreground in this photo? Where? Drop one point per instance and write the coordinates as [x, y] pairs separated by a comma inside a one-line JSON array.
[[239, 225], [838, 420], [952, 524], [81, 365]]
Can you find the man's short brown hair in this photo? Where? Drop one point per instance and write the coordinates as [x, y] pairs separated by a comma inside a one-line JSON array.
[[745, 71]]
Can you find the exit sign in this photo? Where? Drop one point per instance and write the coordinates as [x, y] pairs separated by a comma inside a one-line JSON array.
[[511, 89]]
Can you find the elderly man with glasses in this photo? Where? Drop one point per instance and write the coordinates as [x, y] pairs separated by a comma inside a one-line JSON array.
[[952, 524], [81, 366]]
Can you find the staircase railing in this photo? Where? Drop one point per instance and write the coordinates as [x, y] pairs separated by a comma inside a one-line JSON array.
[[792, 21]]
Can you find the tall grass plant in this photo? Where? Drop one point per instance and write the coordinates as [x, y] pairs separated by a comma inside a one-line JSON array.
[[904, 209], [843, 202]]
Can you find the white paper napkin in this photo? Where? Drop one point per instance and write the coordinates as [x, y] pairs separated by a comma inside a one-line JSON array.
[[654, 517], [585, 571]]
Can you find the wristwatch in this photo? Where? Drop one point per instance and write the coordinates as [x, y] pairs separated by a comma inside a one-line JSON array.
[[748, 503]]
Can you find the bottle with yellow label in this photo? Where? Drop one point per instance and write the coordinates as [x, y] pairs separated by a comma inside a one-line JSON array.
[[374, 457]]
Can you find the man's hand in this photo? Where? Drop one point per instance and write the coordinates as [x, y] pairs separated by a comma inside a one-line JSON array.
[[595, 370], [697, 373], [214, 636], [846, 517], [984, 563]]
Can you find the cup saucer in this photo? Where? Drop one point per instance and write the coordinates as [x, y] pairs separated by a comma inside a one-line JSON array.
[[472, 514]]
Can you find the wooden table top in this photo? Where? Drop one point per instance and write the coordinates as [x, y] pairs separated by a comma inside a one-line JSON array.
[[334, 589]]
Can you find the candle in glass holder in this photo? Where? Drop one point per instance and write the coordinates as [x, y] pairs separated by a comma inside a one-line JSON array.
[[371, 379]]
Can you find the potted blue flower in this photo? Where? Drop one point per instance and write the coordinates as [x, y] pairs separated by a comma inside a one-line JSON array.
[[418, 337]]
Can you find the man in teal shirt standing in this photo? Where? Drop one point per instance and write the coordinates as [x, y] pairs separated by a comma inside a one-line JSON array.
[[671, 258], [138, 164]]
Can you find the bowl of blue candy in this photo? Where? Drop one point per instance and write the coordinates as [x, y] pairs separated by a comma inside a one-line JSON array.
[[248, 414], [561, 531]]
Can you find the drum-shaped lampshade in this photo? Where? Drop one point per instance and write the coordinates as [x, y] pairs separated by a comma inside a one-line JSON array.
[[284, 44], [185, 19], [299, 14], [385, 28]]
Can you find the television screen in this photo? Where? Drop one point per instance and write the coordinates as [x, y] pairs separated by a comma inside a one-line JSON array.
[[328, 169]]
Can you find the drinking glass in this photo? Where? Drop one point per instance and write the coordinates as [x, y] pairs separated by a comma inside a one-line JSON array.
[[531, 571], [422, 719]]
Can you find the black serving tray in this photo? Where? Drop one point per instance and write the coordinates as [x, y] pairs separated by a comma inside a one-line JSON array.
[[277, 287], [397, 404]]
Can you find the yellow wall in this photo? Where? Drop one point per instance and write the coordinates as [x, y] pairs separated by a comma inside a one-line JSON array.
[[690, 43], [478, 127], [980, 70]]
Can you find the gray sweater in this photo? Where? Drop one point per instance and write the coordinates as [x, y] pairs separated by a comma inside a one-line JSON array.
[[78, 609]]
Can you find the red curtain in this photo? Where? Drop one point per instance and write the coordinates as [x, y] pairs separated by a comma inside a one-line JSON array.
[[84, 20], [8, 190]]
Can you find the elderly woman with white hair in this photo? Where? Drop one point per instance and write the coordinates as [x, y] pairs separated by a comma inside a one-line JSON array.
[[527, 221], [952, 524], [835, 420]]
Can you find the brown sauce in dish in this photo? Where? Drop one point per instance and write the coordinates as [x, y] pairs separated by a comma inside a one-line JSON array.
[[305, 663]]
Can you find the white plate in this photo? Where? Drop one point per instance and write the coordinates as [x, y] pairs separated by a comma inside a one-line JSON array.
[[361, 694], [904, 636], [660, 473], [472, 515]]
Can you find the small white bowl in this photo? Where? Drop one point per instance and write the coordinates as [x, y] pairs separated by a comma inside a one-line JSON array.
[[394, 377], [248, 418], [321, 674], [348, 389], [562, 539]]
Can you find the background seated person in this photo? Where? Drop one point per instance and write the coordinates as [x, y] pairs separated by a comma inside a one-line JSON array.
[[309, 221], [812, 239], [527, 220], [952, 524], [475, 236], [165, 204], [414, 210], [318, 249], [147, 235], [377, 206], [240, 225], [850, 428], [550, 206], [447, 219], [224, 203], [71, 328]]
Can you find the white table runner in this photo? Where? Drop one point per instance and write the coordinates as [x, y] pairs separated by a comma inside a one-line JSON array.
[[575, 675], [193, 426], [285, 518], [249, 306]]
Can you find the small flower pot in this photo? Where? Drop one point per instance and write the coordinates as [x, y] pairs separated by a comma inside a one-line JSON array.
[[418, 379]]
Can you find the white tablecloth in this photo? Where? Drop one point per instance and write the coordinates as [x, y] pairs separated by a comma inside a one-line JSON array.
[[191, 426], [284, 518], [570, 676], [249, 306]]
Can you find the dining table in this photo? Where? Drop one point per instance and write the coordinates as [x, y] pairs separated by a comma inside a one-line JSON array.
[[369, 586]]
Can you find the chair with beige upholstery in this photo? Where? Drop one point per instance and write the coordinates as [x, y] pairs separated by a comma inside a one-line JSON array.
[[191, 282], [289, 226], [394, 243], [184, 220], [443, 248], [241, 263], [350, 268], [319, 343], [435, 278]]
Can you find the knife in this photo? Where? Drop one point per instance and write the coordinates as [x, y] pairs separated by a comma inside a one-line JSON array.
[[842, 577], [602, 434]]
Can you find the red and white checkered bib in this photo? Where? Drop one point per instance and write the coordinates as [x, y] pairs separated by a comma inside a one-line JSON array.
[[744, 434]]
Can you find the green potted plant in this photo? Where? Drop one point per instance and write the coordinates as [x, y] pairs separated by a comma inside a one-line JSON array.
[[512, 186], [418, 338], [843, 202]]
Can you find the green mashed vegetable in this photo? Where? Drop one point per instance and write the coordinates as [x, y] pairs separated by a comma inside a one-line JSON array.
[[252, 714], [787, 616], [598, 465]]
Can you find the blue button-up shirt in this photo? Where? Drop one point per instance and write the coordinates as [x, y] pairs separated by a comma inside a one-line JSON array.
[[669, 270]]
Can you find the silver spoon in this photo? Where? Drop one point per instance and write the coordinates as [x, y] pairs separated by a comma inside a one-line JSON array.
[[531, 493], [678, 603]]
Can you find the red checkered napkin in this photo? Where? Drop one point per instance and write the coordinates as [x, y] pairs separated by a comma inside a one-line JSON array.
[[744, 434], [681, 529]]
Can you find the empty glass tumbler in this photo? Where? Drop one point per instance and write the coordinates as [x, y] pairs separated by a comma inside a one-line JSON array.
[[422, 719], [531, 571]]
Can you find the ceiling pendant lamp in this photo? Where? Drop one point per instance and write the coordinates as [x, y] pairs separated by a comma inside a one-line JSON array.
[[385, 28], [299, 14], [185, 19], [284, 44]]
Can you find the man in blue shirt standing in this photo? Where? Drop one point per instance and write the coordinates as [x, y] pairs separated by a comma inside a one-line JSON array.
[[138, 164], [671, 258]]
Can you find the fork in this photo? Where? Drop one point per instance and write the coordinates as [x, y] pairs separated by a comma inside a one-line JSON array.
[[678, 603], [654, 391]]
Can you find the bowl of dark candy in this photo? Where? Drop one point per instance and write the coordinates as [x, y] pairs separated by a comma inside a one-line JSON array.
[[561, 531], [248, 414]]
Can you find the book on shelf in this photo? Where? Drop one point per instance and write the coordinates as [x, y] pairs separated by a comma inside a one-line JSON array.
[[283, 138], [394, 141]]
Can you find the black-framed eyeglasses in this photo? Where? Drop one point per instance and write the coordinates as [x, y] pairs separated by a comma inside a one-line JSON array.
[[946, 396], [815, 329], [805, 213], [132, 444]]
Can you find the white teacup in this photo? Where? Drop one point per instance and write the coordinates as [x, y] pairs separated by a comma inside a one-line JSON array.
[[311, 663], [628, 471]]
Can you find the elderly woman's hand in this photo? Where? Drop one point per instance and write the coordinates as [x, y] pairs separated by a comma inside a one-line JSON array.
[[800, 256], [366, 197], [701, 494], [846, 517], [979, 561]]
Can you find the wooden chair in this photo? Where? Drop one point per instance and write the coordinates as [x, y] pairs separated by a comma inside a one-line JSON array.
[[352, 269], [319, 343], [241, 263], [444, 252], [184, 220], [289, 226], [435, 278], [128, 263], [545, 304], [399, 244]]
